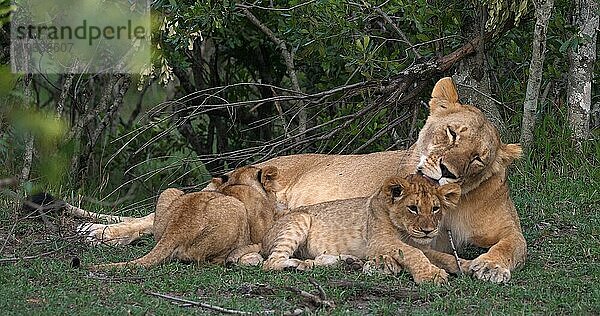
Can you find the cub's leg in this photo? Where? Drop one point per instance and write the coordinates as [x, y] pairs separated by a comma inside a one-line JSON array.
[[283, 239], [447, 261], [405, 256], [162, 213]]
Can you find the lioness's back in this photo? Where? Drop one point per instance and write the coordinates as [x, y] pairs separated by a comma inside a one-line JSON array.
[[316, 178]]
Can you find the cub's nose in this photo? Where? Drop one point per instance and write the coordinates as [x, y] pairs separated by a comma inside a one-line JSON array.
[[446, 173], [427, 231]]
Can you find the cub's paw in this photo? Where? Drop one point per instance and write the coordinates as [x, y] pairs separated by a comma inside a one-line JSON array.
[[382, 264], [430, 273], [278, 264], [250, 259], [489, 270], [305, 265], [96, 234]]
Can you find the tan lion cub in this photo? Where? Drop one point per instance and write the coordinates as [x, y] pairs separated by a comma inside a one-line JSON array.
[[206, 226], [393, 228]]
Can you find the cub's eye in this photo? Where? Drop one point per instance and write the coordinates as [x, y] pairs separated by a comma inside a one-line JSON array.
[[436, 209], [477, 159], [413, 209]]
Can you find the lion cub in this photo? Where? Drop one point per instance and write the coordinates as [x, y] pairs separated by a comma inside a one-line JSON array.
[[393, 228], [206, 226]]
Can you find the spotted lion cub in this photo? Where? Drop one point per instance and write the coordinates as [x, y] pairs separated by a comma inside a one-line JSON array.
[[392, 229], [207, 226]]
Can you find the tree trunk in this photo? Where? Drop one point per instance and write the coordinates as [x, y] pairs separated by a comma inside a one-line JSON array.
[[581, 66], [543, 9], [472, 75]]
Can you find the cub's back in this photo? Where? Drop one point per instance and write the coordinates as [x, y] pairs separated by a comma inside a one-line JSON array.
[[337, 227]]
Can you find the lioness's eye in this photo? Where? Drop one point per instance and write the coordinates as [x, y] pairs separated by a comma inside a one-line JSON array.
[[477, 159], [451, 134], [436, 209], [413, 209]]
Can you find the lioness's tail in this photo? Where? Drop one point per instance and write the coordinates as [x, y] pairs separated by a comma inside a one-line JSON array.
[[161, 252], [47, 201]]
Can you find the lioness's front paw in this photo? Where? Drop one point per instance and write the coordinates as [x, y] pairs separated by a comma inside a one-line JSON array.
[[431, 273], [96, 234], [489, 270]]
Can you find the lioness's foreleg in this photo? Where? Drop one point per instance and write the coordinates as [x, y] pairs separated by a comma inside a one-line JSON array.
[[132, 228], [503, 257], [117, 234]]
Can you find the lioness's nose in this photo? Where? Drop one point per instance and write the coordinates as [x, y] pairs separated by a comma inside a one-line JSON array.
[[446, 173]]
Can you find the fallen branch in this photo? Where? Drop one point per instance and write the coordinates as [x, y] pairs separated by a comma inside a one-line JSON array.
[[318, 301], [207, 306]]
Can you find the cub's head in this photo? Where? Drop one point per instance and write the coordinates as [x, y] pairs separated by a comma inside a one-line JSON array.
[[415, 205], [247, 182], [458, 144]]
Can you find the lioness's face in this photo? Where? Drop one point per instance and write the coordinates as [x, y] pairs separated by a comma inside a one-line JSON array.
[[458, 144], [415, 205]]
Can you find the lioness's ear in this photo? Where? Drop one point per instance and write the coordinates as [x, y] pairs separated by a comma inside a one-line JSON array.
[[394, 187], [268, 177], [451, 193], [507, 153], [443, 96]]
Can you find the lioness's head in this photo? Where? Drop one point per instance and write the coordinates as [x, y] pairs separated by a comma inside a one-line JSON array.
[[415, 205], [458, 144], [263, 181]]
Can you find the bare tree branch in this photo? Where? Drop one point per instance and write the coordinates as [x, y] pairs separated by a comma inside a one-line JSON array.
[[387, 19], [288, 58]]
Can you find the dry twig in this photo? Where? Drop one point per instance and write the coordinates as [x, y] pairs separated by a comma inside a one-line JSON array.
[[219, 309]]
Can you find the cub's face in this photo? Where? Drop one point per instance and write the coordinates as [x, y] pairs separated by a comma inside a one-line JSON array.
[[415, 205], [458, 144], [249, 179]]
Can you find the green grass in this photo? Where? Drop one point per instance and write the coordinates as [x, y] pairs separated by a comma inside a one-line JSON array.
[[557, 202]]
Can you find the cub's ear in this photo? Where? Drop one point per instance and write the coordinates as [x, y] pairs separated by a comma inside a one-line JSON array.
[[507, 153], [451, 194], [394, 187], [269, 178], [443, 96], [215, 183]]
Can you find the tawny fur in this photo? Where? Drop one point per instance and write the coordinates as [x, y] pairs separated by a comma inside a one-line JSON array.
[[485, 217], [394, 225], [207, 226]]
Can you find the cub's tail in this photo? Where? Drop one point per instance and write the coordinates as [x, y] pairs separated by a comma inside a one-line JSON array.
[[162, 251]]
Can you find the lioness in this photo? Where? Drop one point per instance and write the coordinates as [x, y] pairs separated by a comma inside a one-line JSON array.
[[457, 144], [393, 225], [207, 226]]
